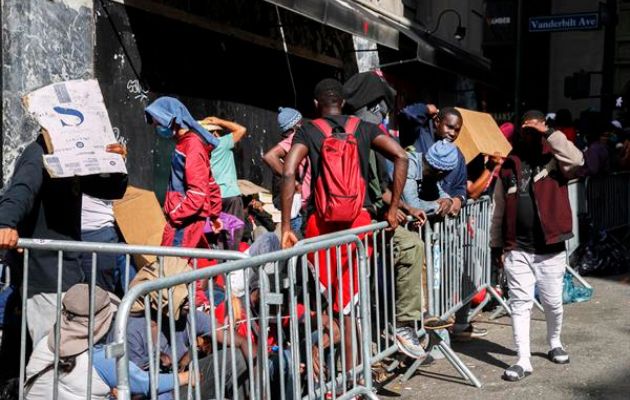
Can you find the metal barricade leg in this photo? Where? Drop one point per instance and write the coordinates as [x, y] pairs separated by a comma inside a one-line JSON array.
[[458, 364], [577, 276], [503, 305]]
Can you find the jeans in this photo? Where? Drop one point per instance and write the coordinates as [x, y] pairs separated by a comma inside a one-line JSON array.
[[296, 225]]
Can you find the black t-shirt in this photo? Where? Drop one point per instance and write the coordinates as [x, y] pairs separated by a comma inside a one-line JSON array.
[[529, 233], [313, 138]]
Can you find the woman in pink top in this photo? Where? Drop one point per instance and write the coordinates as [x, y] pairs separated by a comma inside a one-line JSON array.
[[289, 121]]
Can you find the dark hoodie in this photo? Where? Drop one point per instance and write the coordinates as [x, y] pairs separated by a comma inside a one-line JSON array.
[[41, 207]]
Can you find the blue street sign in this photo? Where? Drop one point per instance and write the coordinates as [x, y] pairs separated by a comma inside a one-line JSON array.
[[564, 22]]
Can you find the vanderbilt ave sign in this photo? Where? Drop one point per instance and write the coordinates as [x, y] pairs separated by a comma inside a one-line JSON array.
[[564, 22]]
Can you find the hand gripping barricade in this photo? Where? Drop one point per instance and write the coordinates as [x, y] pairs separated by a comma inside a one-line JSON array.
[[95, 249], [291, 348]]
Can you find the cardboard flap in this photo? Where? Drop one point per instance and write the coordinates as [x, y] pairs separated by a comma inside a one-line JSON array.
[[140, 220], [480, 134]]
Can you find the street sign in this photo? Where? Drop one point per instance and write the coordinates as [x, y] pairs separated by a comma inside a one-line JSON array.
[[564, 22]]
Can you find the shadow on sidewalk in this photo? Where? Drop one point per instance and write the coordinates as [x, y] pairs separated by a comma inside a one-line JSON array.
[[483, 350]]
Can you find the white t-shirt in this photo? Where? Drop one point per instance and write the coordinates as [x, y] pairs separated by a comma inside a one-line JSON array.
[[72, 386], [96, 213]]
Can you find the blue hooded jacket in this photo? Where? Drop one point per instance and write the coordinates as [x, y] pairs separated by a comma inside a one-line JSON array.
[[167, 110], [416, 130]]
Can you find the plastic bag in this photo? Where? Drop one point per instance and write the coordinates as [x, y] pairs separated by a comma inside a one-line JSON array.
[[574, 294], [602, 255]]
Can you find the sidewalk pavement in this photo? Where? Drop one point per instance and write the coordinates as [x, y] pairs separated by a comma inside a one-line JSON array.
[[596, 334]]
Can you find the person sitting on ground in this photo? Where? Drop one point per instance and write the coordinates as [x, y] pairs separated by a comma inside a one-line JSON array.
[[73, 354], [223, 168], [289, 121], [325, 216], [138, 342]]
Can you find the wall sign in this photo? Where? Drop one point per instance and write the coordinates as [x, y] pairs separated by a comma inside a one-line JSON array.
[[564, 22]]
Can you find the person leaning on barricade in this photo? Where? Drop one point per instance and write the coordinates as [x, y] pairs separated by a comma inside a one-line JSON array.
[[35, 205], [339, 182], [424, 174], [531, 221], [73, 354], [370, 98], [138, 342], [421, 125]]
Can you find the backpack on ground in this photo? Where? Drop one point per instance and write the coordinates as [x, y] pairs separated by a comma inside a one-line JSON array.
[[340, 187]]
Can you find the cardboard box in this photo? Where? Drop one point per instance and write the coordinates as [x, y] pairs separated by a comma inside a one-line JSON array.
[[480, 134], [140, 220]]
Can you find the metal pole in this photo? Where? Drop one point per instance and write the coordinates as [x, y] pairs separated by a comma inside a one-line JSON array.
[[519, 51]]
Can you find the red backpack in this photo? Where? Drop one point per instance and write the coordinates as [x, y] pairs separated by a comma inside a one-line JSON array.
[[340, 187]]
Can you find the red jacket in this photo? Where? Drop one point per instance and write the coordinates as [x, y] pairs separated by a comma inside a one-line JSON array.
[[562, 162], [192, 193]]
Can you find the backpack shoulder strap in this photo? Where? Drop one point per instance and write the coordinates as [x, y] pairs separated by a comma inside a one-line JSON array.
[[352, 124], [323, 126]]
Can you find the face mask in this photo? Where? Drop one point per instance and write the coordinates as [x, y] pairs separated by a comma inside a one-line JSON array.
[[163, 132]]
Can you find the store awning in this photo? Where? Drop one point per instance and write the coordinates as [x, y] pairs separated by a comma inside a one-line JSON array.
[[353, 19], [384, 30]]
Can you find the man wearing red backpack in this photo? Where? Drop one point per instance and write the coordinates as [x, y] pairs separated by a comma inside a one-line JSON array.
[[338, 148]]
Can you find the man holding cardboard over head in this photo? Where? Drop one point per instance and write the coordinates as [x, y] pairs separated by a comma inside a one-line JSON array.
[[43, 198]]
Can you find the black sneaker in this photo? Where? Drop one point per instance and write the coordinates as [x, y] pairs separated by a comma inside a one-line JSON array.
[[558, 355]]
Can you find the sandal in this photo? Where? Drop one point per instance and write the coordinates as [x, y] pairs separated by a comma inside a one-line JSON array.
[[515, 373], [434, 323]]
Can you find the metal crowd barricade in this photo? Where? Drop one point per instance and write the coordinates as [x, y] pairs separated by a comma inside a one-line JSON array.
[[458, 264], [294, 329], [60, 247], [381, 269], [457, 257], [608, 201]]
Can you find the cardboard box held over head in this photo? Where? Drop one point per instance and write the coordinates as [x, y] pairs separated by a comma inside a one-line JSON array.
[[140, 220], [480, 134]]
